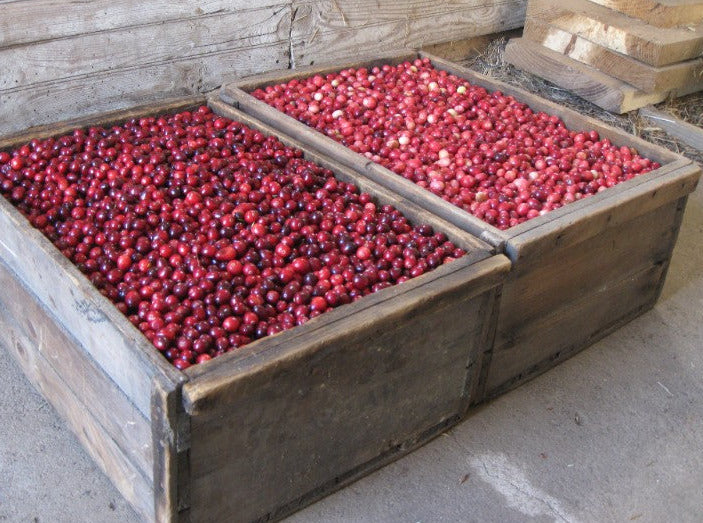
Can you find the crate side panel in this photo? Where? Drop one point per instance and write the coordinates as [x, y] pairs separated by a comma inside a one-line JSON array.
[[115, 345], [104, 401], [557, 276], [558, 336], [294, 427], [94, 438]]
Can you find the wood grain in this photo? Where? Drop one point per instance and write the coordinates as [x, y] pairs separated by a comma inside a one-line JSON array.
[[126, 88], [193, 60], [686, 75], [552, 280], [148, 45], [656, 46], [52, 19], [120, 419], [684, 131], [93, 437], [544, 344], [326, 30], [590, 84], [165, 410], [661, 13], [408, 355]]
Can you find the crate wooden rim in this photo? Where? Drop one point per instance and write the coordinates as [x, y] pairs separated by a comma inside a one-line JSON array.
[[674, 168]]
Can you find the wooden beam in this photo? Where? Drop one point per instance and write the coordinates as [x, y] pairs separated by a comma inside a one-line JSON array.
[[687, 133], [590, 84], [656, 46], [661, 13], [52, 19], [328, 30]]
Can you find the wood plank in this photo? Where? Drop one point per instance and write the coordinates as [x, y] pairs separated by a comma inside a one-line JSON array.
[[543, 344], [604, 213], [590, 84], [409, 357], [656, 46], [86, 55], [687, 75], [92, 436], [684, 131], [110, 90], [121, 420], [338, 29], [165, 409], [661, 13], [551, 280], [51, 19], [207, 381]]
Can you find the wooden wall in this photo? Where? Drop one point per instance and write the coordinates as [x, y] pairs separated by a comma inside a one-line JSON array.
[[63, 59]]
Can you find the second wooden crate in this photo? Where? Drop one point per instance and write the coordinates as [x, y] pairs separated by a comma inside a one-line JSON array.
[[579, 272]]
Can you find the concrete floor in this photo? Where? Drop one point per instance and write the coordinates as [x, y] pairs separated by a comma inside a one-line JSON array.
[[614, 434]]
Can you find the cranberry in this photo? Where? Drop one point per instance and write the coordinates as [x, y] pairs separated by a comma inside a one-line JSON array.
[[484, 152], [208, 234]]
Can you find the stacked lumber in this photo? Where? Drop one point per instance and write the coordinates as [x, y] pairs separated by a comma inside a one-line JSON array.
[[619, 54]]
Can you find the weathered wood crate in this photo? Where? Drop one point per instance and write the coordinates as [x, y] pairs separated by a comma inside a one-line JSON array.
[[579, 272], [259, 432]]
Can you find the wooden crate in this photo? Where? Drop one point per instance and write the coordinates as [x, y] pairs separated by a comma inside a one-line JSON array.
[[259, 432], [579, 272]]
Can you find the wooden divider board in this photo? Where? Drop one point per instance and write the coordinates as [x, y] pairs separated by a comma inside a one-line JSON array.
[[686, 75], [590, 84], [662, 13], [657, 46]]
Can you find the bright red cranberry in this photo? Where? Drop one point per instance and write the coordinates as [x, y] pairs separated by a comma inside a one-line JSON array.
[[484, 152], [207, 234]]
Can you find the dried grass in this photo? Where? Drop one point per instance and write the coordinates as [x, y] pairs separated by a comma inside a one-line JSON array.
[[489, 61]]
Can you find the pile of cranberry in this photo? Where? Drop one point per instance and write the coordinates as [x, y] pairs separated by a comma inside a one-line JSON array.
[[208, 234], [484, 152]]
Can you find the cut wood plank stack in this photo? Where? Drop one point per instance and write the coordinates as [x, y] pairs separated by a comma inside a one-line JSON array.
[[619, 54]]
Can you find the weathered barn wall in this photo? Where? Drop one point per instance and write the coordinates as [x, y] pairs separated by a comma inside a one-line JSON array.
[[64, 59]]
